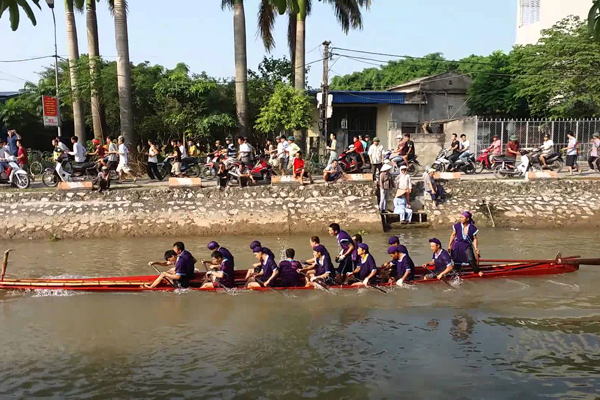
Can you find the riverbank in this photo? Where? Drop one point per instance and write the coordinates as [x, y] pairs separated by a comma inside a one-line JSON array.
[[145, 212]]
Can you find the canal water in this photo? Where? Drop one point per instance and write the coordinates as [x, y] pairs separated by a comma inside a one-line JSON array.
[[493, 339]]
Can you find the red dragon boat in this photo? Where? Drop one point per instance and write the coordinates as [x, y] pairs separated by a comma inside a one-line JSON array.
[[492, 269]]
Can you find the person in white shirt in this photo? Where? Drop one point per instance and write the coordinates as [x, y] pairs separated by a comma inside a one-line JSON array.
[[547, 150], [4, 154], [403, 181], [283, 148], [572, 150], [182, 149], [333, 149], [245, 151], [376, 157], [61, 145], [464, 148], [79, 152], [123, 167]]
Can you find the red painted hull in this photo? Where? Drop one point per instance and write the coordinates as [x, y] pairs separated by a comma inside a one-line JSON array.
[[135, 283]]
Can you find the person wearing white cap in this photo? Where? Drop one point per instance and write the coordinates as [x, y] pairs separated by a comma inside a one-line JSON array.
[[386, 184], [429, 184], [403, 180]]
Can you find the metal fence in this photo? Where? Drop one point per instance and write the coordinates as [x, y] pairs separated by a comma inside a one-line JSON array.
[[530, 132]]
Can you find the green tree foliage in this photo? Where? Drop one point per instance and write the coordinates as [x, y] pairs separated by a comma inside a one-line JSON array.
[[14, 6], [288, 110], [167, 103]]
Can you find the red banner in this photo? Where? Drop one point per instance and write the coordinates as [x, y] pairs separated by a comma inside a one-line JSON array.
[[50, 106]]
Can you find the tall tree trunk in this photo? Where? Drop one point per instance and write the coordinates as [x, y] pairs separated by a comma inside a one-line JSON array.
[[98, 118], [241, 66], [124, 72], [78, 112], [299, 60], [293, 18]]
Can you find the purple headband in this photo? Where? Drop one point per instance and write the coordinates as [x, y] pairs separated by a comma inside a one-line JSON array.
[[436, 241], [319, 249], [254, 244], [212, 245], [257, 250], [393, 239], [467, 214], [363, 246]]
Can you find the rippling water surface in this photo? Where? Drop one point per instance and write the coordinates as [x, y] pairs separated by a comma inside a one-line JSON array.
[[505, 338]]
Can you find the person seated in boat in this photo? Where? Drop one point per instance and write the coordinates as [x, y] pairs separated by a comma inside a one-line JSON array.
[[268, 273], [182, 273], [402, 266], [347, 256], [257, 266], [394, 241], [440, 260], [464, 245], [288, 270], [321, 270], [214, 246], [224, 277], [365, 270], [314, 242]]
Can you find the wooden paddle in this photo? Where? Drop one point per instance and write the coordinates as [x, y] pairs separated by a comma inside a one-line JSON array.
[[322, 283], [5, 264], [443, 279], [377, 288], [273, 289]]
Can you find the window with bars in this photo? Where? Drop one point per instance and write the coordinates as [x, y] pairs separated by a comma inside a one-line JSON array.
[[530, 11]]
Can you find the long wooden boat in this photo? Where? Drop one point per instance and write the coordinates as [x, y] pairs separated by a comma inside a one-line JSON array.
[[508, 268]]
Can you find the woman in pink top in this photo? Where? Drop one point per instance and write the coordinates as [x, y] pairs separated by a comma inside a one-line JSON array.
[[495, 149], [594, 145]]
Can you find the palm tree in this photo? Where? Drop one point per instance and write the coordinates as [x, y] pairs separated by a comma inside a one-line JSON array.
[[241, 63], [594, 19], [94, 63], [13, 9], [119, 10], [73, 44], [347, 12]]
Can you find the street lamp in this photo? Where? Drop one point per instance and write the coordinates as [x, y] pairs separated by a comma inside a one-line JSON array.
[[51, 6]]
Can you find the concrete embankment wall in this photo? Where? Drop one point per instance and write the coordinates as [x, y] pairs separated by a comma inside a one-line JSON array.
[[158, 212], [519, 204]]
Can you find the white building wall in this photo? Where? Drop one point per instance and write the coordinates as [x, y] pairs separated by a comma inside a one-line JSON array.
[[535, 15]]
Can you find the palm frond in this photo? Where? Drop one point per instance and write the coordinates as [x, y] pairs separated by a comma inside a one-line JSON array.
[[348, 12], [266, 24], [227, 4], [594, 19]]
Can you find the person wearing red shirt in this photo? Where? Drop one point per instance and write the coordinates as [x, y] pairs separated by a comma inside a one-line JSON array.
[[359, 149], [300, 171], [22, 157]]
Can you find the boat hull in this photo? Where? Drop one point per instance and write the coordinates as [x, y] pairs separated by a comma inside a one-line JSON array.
[[135, 283]]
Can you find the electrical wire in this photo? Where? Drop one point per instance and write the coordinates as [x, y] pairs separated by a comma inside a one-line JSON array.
[[25, 59]]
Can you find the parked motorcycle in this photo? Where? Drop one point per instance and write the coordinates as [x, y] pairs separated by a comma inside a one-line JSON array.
[[262, 170], [505, 167], [189, 168], [14, 175]]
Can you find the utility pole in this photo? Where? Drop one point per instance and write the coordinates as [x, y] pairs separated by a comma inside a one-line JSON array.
[[51, 6], [324, 95]]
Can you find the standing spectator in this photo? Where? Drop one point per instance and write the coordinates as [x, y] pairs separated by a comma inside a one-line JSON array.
[[22, 157], [13, 136], [123, 166], [376, 157], [176, 159], [271, 153], [369, 142], [333, 155], [112, 161], [79, 152], [231, 150], [152, 168], [294, 148], [429, 184], [4, 154], [245, 152], [594, 145], [386, 184], [283, 149], [572, 151], [300, 171]]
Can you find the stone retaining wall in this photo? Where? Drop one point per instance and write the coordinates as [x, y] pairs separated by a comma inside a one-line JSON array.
[[157, 212], [543, 203]]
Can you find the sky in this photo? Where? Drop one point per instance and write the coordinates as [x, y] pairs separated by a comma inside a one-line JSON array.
[[201, 35]]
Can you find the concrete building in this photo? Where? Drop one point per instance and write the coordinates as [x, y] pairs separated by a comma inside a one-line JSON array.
[[402, 109], [535, 15]]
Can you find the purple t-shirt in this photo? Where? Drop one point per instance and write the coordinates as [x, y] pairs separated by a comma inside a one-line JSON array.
[[288, 273], [442, 261], [185, 264], [228, 279], [269, 266], [366, 266], [227, 254], [399, 268], [325, 265], [345, 240]]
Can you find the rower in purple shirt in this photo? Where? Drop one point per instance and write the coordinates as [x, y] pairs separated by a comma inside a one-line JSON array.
[[321, 270], [402, 266], [222, 278], [464, 245], [288, 270], [441, 260], [269, 270], [347, 257], [184, 269], [366, 268], [394, 241], [214, 246], [256, 267], [256, 243]]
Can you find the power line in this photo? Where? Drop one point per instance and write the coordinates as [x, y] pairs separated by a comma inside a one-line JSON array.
[[25, 59], [412, 57]]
